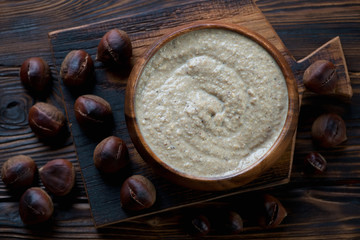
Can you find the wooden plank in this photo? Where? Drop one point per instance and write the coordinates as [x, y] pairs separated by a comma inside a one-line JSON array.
[[29, 22], [305, 25], [107, 82], [302, 25]]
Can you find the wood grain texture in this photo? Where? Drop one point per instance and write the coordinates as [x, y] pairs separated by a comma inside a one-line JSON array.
[[319, 206], [29, 22], [111, 86], [305, 25]]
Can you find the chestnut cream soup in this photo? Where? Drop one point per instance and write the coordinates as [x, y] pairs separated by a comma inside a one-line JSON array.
[[211, 102]]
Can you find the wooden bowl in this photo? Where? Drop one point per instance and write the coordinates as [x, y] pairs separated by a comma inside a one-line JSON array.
[[223, 182]]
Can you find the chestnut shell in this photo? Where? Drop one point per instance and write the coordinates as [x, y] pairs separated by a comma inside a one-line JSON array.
[[111, 155], [315, 163], [92, 111], [272, 212], [137, 193], [329, 130], [321, 77], [58, 176], [77, 69], [198, 226], [46, 120], [18, 171], [114, 48], [35, 75], [35, 206]]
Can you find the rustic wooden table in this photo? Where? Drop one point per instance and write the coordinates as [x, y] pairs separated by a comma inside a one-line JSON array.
[[320, 206]]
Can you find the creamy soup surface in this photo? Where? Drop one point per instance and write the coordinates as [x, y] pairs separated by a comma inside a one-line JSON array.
[[211, 102]]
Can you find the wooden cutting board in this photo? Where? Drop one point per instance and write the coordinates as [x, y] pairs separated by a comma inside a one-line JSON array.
[[144, 29]]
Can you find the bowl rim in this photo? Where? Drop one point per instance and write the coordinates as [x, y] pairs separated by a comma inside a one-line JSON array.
[[235, 178]]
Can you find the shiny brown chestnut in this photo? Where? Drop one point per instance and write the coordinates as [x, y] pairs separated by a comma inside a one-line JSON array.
[[92, 111], [18, 172], [198, 226], [35, 206], [273, 212], [230, 222], [114, 48], [77, 69], [137, 193], [46, 120], [315, 163], [320, 77], [58, 176], [111, 155], [35, 75], [329, 130]]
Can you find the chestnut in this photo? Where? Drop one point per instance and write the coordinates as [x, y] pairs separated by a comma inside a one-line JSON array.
[[46, 120], [114, 48], [137, 193], [315, 162], [329, 130], [92, 111], [18, 172], [77, 69], [198, 226], [230, 222], [320, 77], [35, 75], [111, 155], [35, 206], [272, 212], [58, 176]]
